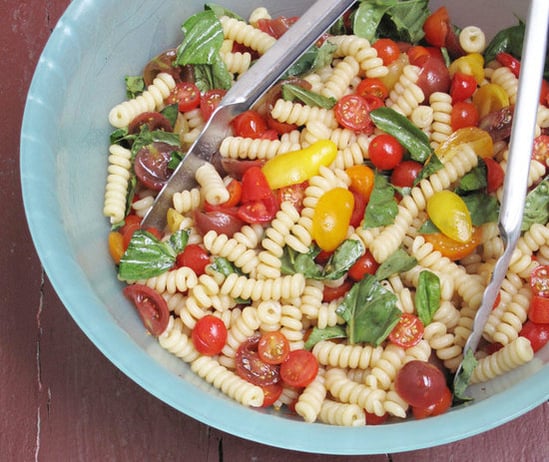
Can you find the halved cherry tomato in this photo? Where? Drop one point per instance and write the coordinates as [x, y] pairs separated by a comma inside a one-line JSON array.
[[152, 308], [276, 27], [374, 419], [116, 246], [540, 151], [224, 221], [372, 86], [489, 98], [464, 114], [353, 112], [450, 215], [539, 305], [538, 334], [153, 121], [462, 87], [273, 347], [362, 179], [186, 95], [363, 266], [405, 173], [294, 194], [494, 175], [255, 186], [387, 49], [436, 27], [420, 383], [235, 194], [434, 75], [480, 141], [331, 218], [498, 123], [451, 248], [329, 294], [539, 310], [210, 100], [237, 167], [470, 64], [438, 408], [250, 367], [195, 257], [408, 331], [162, 63], [261, 211], [385, 151], [209, 335], [271, 393], [509, 61], [299, 369], [249, 124], [151, 165], [358, 209], [131, 224]]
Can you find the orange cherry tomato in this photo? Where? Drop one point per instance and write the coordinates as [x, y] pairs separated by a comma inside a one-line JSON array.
[[299, 369], [452, 249], [273, 347], [387, 49], [362, 179], [116, 246]]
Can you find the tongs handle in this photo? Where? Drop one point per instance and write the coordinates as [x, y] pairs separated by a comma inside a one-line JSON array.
[[516, 179]]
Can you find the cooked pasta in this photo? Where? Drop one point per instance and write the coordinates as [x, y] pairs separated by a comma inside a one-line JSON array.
[[118, 179]]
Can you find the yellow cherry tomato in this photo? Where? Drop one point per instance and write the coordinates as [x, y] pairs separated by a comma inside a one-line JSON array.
[[298, 166], [116, 246], [480, 141], [173, 219], [489, 98], [470, 64], [362, 179], [450, 215], [331, 218]]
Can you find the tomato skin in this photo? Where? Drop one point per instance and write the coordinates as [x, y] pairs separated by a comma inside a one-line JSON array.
[[363, 266], [358, 209], [372, 86], [151, 165], [353, 112], [362, 179], [249, 124], [261, 211], [131, 224], [462, 87], [450, 215], [433, 75], [438, 408], [436, 27], [186, 95], [221, 221], [329, 294], [209, 335], [420, 383], [494, 175], [271, 393], [250, 367], [294, 193], [540, 151], [405, 173], [408, 332], [210, 100], [539, 281], [387, 49], [195, 257], [152, 308], [273, 347], [464, 114], [373, 419], [153, 121], [385, 151], [235, 193], [299, 369], [237, 167], [538, 334], [451, 248], [116, 246], [539, 310], [509, 61], [254, 185]]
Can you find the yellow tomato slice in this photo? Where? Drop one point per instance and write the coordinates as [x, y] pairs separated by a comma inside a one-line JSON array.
[[480, 141], [471, 64], [489, 98], [450, 215]]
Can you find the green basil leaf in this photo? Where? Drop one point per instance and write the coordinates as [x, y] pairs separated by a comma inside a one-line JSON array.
[[135, 85], [179, 239], [175, 159], [347, 253], [462, 382], [382, 207], [398, 262], [170, 112], [483, 208], [428, 228], [145, 257], [292, 92], [223, 266], [408, 135], [427, 296], [507, 40], [536, 207], [293, 262], [220, 11], [474, 180], [202, 40], [432, 165], [370, 311], [314, 58], [318, 335], [367, 18]]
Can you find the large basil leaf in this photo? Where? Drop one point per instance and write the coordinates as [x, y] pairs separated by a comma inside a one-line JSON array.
[[427, 296], [382, 207]]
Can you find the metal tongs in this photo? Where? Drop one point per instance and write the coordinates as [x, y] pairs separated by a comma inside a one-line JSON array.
[[243, 94], [516, 179]]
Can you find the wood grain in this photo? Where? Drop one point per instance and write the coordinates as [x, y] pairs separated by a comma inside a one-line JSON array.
[[61, 399]]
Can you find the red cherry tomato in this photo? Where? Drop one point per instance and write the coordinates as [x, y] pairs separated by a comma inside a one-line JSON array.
[[464, 114], [353, 112], [360, 203], [373, 419], [151, 165], [235, 194], [273, 347], [164, 62], [255, 186], [237, 167], [131, 224], [420, 383], [509, 61], [539, 310], [299, 369], [250, 367], [259, 204], [153, 121], [436, 27], [262, 211], [385, 151], [405, 173], [224, 221], [387, 49], [152, 308], [433, 74], [540, 151], [538, 334], [209, 101], [209, 335], [363, 266], [186, 95], [271, 393], [194, 257], [294, 193], [462, 87], [539, 281], [276, 27], [330, 294], [408, 332], [372, 86], [438, 408], [249, 124], [494, 174]]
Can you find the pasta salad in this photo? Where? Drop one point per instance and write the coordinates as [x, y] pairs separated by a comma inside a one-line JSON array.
[[334, 260]]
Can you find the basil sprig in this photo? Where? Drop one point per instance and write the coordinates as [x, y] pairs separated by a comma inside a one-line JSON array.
[[427, 296], [292, 92], [536, 207], [382, 208]]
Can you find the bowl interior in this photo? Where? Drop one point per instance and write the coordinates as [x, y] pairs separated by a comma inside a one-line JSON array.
[[63, 168]]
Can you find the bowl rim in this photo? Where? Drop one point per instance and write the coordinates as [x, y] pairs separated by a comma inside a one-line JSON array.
[[89, 313]]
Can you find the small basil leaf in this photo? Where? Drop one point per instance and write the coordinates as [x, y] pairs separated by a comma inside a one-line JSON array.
[[292, 92], [179, 239], [474, 180], [343, 258], [135, 85], [427, 296], [432, 165], [382, 207], [462, 382], [170, 112], [536, 207], [318, 335], [223, 266], [482, 208], [398, 262]]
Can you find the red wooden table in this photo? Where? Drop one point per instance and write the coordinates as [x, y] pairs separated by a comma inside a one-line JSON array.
[[61, 399]]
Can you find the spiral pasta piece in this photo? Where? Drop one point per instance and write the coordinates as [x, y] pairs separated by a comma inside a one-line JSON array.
[[231, 249], [237, 62], [179, 280], [310, 400], [292, 327], [406, 95], [441, 128], [299, 114], [360, 49], [472, 39], [343, 356], [176, 341], [503, 77], [386, 368], [237, 147], [213, 189], [243, 33], [513, 317], [348, 415], [263, 289], [243, 328], [116, 190], [443, 342], [340, 80], [187, 200], [152, 99]]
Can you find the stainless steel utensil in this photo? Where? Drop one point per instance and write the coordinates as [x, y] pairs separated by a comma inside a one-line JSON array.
[[516, 178], [243, 94]]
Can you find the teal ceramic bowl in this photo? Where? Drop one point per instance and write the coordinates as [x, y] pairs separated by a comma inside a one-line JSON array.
[[63, 169]]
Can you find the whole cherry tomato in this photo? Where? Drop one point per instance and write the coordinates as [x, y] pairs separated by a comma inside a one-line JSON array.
[[362, 179], [538, 334], [209, 335], [385, 151], [438, 408], [387, 49], [366, 264], [420, 384], [195, 257], [405, 173], [464, 114], [462, 87], [249, 124]]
